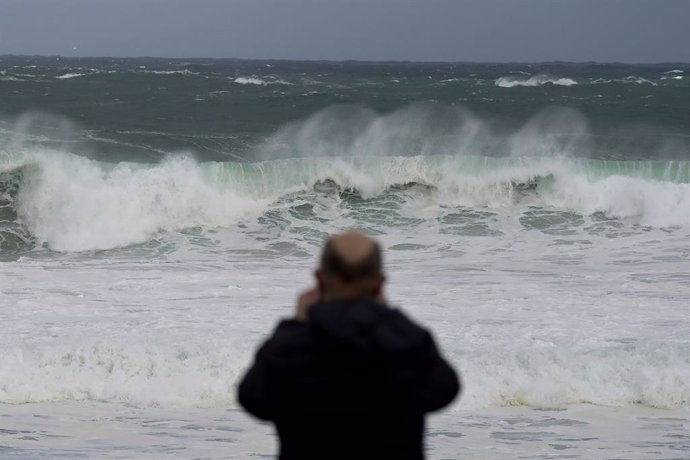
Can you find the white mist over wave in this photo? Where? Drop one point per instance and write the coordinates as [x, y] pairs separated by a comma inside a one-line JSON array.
[[537, 80], [425, 129], [72, 203], [441, 148]]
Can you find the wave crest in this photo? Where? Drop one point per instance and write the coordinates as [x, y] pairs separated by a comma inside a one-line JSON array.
[[260, 81], [69, 76], [190, 373], [549, 376], [71, 203], [537, 80]]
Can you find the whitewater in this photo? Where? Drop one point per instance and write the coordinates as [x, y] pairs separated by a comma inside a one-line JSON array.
[[140, 268]]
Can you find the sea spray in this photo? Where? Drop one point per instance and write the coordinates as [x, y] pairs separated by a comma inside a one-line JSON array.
[[537, 80], [197, 373], [352, 131], [72, 204]]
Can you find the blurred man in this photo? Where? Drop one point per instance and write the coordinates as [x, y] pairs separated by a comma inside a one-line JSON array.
[[348, 377]]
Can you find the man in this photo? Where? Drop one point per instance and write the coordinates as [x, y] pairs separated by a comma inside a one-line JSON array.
[[348, 377]]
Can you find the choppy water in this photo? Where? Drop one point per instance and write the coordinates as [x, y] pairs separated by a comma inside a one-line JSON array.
[[537, 218]]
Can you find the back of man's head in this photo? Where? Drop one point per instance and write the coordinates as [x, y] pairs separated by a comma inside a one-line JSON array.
[[351, 266]]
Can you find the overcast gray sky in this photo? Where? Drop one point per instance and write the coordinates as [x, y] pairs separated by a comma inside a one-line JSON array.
[[422, 30]]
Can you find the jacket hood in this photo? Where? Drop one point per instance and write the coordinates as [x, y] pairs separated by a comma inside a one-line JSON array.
[[367, 325]]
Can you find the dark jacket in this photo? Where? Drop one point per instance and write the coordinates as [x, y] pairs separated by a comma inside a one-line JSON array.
[[353, 382]]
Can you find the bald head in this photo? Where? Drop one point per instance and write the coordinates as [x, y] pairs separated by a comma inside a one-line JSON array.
[[351, 257]]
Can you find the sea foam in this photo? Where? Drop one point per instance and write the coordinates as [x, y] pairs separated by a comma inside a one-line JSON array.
[[72, 204], [140, 373], [68, 76], [155, 368], [259, 81], [537, 80]]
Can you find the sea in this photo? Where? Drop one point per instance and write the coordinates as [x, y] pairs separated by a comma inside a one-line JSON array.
[[158, 217]]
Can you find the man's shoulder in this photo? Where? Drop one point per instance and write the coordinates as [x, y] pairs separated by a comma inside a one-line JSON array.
[[293, 347], [364, 326], [289, 334]]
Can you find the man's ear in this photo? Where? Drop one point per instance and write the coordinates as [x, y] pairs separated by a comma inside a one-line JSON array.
[[378, 287]]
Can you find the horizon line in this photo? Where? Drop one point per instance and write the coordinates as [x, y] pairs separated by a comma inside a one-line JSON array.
[[362, 61]]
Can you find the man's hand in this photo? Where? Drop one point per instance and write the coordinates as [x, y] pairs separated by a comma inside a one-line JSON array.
[[305, 301]]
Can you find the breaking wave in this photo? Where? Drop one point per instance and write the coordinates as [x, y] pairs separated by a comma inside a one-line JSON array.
[[553, 376], [260, 81], [71, 203], [157, 373], [631, 79], [67, 202], [194, 373], [69, 76], [537, 80], [169, 72]]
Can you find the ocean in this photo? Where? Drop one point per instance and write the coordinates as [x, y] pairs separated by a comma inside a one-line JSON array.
[[158, 217]]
